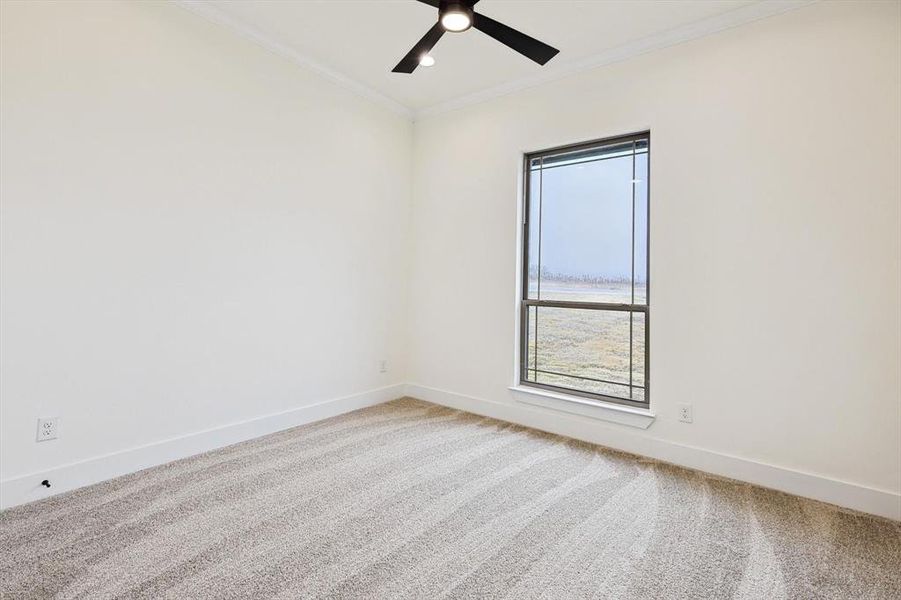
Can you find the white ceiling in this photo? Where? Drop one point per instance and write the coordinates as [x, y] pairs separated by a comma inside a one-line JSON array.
[[358, 42]]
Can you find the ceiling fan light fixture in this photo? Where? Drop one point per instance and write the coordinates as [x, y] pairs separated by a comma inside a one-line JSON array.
[[456, 18]]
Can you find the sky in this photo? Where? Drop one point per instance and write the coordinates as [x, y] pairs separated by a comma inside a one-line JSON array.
[[586, 218]]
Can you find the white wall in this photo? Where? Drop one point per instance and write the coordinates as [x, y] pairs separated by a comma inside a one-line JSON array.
[[775, 270], [195, 232]]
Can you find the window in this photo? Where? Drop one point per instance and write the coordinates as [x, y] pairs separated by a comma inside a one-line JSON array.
[[585, 317]]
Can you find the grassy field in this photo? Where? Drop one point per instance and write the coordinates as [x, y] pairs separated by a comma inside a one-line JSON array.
[[587, 343]]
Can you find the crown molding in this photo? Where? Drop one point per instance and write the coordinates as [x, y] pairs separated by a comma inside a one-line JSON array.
[[671, 37], [249, 32], [658, 41]]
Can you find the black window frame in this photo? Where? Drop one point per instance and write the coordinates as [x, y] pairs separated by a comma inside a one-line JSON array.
[[526, 302]]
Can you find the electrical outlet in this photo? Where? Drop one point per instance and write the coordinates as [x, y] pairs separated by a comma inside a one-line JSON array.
[[48, 429], [685, 413], [383, 366]]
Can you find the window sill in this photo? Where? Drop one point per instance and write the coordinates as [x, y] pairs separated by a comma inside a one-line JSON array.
[[605, 411]]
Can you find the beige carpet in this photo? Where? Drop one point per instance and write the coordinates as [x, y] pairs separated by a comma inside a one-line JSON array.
[[410, 500]]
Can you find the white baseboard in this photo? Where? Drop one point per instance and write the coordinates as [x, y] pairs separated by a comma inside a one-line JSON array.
[[27, 488], [883, 503]]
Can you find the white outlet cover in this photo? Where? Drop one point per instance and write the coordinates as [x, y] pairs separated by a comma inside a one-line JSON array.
[[685, 413], [48, 429]]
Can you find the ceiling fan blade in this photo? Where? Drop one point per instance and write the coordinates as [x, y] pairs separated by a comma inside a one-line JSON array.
[[409, 63], [522, 43]]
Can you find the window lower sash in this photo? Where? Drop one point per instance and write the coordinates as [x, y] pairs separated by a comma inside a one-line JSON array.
[[529, 375]]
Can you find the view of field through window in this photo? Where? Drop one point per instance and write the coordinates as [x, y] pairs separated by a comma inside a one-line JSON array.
[[585, 300]]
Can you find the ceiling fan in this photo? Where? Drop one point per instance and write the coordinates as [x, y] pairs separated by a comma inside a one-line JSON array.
[[457, 16]]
